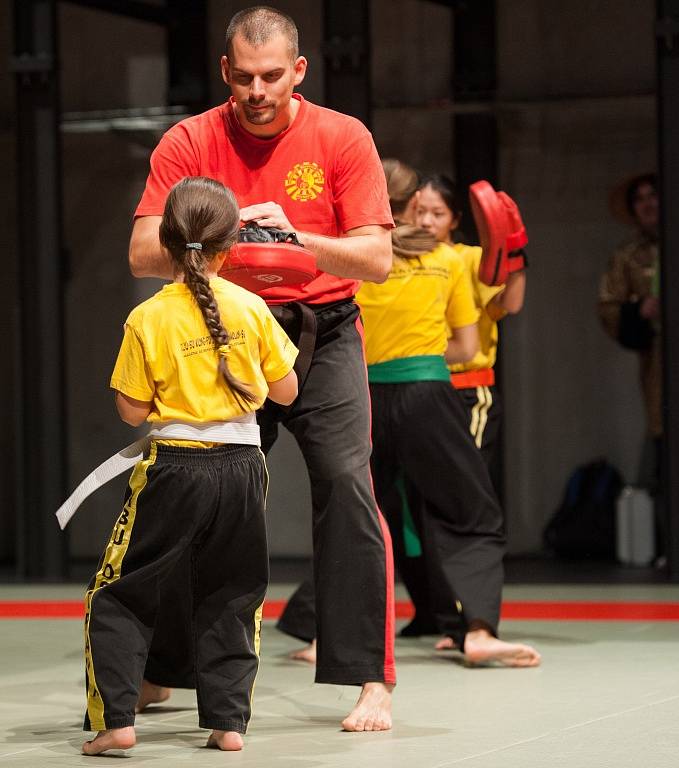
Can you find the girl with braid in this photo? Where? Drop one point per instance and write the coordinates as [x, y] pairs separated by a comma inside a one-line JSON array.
[[197, 360]]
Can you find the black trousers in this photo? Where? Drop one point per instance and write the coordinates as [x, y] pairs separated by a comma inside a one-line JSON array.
[[204, 508], [484, 418], [352, 561], [420, 432]]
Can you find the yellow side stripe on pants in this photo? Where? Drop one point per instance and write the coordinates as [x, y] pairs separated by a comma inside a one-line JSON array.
[[484, 402], [109, 571], [258, 643]]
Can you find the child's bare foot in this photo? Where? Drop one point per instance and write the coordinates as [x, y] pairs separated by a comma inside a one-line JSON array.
[[480, 646], [114, 738], [445, 644], [151, 694], [228, 741], [307, 654], [372, 711]]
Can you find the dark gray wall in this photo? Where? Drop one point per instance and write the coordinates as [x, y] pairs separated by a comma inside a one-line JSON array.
[[104, 173], [576, 115], [412, 76]]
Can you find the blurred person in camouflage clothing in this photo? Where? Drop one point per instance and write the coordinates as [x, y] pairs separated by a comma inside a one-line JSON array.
[[629, 306]]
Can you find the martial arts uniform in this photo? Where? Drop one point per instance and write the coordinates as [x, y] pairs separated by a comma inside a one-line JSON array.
[[188, 500], [420, 434]]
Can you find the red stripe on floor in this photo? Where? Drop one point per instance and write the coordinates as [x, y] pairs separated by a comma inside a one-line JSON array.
[[44, 609], [590, 611], [529, 610]]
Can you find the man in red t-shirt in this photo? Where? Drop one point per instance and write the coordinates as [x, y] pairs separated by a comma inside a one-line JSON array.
[[296, 166]]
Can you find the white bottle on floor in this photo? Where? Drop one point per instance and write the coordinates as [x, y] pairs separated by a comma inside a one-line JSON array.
[[635, 527]]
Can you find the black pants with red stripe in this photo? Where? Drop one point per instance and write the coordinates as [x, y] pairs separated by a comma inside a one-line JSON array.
[[352, 586], [420, 431], [204, 509]]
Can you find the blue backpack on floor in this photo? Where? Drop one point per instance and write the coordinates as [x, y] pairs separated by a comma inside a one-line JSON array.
[[583, 526]]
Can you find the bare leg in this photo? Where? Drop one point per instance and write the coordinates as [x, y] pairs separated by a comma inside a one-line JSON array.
[[151, 694], [480, 647], [227, 741], [307, 653], [372, 711], [115, 738]]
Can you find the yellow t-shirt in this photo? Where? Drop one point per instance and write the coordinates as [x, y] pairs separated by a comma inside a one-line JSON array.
[[483, 294], [168, 357], [409, 314]]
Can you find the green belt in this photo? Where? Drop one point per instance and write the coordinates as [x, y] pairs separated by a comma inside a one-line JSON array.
[[404, 369]]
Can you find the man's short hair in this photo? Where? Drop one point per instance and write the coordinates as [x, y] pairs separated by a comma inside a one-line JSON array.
[[259, 24]]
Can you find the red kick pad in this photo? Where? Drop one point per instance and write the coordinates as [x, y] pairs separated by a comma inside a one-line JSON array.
[[490, 216], [257, 266]]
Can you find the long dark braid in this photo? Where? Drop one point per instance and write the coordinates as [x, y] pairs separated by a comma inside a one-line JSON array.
[[201, 220]]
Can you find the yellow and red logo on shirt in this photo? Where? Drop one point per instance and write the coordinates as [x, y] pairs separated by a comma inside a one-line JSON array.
[[305, 181]]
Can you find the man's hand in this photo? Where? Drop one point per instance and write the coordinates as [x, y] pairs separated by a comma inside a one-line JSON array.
[[363, 253], [266, 215]]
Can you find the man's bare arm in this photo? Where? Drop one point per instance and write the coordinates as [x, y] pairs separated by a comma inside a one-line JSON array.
[[146, 258], [364, 254]]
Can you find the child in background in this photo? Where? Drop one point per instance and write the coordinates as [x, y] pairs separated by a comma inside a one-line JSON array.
[[439, 212], [420, 319], [181, 369]]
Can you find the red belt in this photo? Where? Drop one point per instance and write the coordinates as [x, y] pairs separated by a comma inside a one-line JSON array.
[[485, 377]]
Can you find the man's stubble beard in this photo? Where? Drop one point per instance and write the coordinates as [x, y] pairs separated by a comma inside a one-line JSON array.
[[257, 117]]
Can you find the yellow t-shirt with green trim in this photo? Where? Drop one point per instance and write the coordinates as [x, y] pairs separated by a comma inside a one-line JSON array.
[[169, 359], [483, 294], [410, 313]]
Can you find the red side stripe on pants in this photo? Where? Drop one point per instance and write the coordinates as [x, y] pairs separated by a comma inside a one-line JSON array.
[[390, 619]]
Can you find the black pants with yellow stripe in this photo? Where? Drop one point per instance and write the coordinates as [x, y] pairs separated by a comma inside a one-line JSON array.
[[485, 415], [205, 507]]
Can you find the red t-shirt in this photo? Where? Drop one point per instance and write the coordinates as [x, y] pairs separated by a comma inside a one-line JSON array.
[[323, 169]]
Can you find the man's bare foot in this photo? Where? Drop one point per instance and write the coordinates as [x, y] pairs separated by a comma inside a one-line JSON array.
[[372, 711], [151, 694], [480, 647], [445, 644], [307, 654], [227, 741], [114, 738]]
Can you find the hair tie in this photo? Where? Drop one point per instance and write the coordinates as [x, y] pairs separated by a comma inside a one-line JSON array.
[[195, 246]]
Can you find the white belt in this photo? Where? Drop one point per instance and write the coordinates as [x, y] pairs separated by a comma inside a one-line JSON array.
[[243, 431]]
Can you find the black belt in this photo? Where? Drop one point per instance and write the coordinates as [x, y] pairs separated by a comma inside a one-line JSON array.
[[299, 322]]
